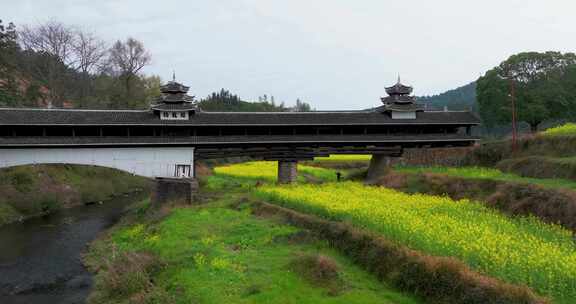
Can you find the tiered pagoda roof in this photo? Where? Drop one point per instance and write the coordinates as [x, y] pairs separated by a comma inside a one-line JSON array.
[[399, 99], [175, 98]]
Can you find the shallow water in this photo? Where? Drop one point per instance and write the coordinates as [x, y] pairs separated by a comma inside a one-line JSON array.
[[40, 259]]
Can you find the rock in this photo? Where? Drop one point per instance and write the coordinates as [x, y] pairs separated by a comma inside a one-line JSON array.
[[78, 282]]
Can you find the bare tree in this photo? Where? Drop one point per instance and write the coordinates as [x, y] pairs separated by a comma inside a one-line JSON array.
[[89, 51], [56, 40], [127, 59]]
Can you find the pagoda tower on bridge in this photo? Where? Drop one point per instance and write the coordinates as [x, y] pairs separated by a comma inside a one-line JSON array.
[[399, 103], [175, 103]]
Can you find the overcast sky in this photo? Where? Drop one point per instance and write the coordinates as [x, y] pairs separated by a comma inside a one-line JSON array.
[[335, 54]]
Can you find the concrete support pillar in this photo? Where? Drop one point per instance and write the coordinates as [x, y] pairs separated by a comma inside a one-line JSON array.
[[287, 171], [378, 168], [174, 190]]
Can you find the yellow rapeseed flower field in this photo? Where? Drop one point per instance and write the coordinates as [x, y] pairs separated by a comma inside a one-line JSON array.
[[268, 170], [568, 129], [518, 250], [515, 249]]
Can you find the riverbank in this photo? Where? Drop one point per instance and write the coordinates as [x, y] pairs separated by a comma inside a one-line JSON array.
[[221, 252], [30, 191]]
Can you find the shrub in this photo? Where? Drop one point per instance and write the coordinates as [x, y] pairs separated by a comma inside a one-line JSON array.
[[127, 275], [22, 180], [319, 270]]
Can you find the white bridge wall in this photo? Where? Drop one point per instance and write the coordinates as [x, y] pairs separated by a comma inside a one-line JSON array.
[[146, 161]]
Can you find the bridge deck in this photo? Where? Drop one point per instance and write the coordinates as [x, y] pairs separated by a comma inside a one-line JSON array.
[[302, 140]]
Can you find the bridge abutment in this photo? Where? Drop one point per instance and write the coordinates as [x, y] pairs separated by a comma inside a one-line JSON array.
[[287, 171], [378, 168], [181, 190]]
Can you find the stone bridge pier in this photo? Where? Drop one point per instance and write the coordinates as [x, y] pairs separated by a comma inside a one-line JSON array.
[[378, 168], [175, 190], [287, 171]]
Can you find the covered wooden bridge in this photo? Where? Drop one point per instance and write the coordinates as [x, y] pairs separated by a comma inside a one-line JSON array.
[[166, 139]]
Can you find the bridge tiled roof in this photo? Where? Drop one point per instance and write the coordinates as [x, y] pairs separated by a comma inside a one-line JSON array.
[[142, 117]]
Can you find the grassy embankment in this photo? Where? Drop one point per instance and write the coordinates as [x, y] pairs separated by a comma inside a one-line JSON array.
[[549, 154], [489, 174], [220, 252], [40, 189]]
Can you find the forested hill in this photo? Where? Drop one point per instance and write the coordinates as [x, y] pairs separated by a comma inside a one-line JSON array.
[[35, 72], [224, 101], [461, 98]]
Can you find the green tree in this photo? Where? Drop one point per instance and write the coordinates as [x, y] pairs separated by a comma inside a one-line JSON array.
[[542, 84], [9, 49], [224, 101]]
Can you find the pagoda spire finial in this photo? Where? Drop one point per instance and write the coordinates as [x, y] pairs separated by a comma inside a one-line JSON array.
[[398, 79], [173, 75]]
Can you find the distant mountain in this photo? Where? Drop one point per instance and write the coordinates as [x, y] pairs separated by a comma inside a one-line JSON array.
[[462, 98]]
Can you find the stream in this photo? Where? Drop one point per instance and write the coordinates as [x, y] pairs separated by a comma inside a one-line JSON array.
[[40, 259]]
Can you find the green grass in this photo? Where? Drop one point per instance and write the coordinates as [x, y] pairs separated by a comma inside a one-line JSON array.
[[8, 214], [214, 254], [568, 129], [488, 173]]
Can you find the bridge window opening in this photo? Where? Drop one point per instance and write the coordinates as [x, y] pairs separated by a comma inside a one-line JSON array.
[[165, 114], [399, 130], [281, 131], [174, 115], [59, 131], [305, 131], [182, 114], [183, 171], [207, 131], [177, 131], [329, 130], [87, 131], [28, 131], [233, 131], [6, 131], [256, 131], [353, 130], [433, 130], [114, 131], [383, 130], [141, 131]]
